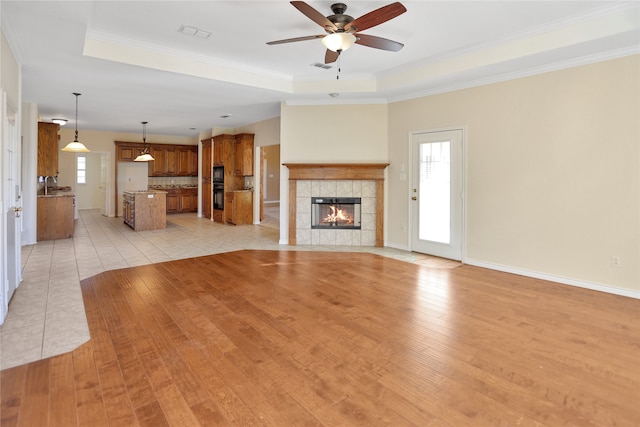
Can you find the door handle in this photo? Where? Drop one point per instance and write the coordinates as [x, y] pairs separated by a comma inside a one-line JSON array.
[[18, 211]]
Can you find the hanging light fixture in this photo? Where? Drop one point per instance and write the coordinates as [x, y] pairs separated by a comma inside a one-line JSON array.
[[144, 154], [75, 146]]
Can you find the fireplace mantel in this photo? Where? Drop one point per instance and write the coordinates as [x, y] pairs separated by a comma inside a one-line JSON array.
[[337, 171]]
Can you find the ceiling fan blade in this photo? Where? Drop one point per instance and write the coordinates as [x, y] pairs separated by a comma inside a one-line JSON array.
[[314, 15], [376, 17], [297, 39], [331, 56], [378, 42]]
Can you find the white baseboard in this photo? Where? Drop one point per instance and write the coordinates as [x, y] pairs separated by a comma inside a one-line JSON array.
[[559, 279], [397, 246]]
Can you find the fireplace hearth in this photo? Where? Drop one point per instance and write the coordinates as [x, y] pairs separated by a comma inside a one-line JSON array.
[[335, 213]]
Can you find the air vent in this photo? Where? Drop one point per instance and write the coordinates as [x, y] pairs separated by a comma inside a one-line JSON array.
[[193, 31], [321, 65]]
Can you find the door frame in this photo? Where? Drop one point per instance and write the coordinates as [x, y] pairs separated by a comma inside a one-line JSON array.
[[10, 203], [412, 225]]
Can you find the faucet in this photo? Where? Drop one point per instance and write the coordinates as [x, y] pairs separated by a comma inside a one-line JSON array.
[[45, 183]]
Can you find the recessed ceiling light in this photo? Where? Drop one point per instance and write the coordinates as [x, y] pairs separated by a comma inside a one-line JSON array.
[[225, 116], [60, 122]]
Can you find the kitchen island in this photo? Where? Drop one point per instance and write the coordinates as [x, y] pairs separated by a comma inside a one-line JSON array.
[[145, 210]]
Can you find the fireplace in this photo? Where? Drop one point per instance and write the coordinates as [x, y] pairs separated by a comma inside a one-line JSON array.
[[335, 212], [333, 180]]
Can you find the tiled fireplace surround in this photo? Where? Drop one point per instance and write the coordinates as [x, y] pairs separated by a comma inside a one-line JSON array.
[[364, 180]]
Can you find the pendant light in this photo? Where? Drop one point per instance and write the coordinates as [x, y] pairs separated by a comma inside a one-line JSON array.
[[75, 146], [144, 154]]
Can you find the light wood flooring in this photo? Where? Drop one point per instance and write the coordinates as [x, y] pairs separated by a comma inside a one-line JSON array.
[[283, 338]]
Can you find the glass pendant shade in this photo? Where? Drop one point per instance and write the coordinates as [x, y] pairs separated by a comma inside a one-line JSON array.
[[144, 155], [75, 146], [339, 42]]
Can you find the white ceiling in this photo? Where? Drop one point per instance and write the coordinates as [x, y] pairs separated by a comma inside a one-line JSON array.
[[131, 63]]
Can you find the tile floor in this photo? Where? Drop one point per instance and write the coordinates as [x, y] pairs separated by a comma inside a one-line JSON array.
[[46, 314]]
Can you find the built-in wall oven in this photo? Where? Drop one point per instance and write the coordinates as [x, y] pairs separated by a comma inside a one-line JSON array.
[[218, 174], [218, 196], [218, 187]]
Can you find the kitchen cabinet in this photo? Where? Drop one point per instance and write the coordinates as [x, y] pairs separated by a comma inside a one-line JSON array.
[[169, 159], [181, 200], [187, 162], [206, 177], [188, 200], [145, 210], [55, 217], [218, 153], [244, 154], [127, 152], [238, 207], [173, 200], [47, 149]]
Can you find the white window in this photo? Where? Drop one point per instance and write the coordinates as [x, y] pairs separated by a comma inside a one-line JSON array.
[[81, 170]]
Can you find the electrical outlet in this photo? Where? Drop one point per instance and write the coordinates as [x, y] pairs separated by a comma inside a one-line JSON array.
[[615, 261]]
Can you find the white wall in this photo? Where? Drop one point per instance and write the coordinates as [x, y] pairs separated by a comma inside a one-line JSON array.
[[552, 171]]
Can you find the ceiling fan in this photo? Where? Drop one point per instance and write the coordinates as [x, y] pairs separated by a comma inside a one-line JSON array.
[[343, 31]]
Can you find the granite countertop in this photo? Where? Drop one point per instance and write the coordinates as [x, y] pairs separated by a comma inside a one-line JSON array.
[[173, 187], [57, 193], [143, 191]]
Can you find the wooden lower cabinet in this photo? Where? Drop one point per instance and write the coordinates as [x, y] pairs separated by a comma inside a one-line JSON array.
[[173, 201], [188, 200], [206, 198], [55, 217], [238, 207]]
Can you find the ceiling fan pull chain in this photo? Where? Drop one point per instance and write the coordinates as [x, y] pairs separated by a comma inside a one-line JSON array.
[[338, 73]]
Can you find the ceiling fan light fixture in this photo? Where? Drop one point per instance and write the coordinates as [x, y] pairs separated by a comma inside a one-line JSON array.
[[338, 42], [60, 122]]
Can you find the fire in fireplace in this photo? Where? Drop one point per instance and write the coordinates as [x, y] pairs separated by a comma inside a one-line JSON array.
[[335, 212]]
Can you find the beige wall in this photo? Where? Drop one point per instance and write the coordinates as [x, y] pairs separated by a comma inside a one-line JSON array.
[[9, 74], [334, 134], [103, 141], [331, 134], [552, 170], [272, 170]]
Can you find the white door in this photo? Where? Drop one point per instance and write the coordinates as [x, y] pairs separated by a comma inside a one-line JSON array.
[[11, 205], [436, 193], [104, 173]]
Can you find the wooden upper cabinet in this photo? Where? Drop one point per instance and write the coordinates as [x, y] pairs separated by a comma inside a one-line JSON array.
[[157, 165], [47, 149], [244, 154], [218, 153], [127, 153], [206, 157], [187, 162], [170, 161]]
